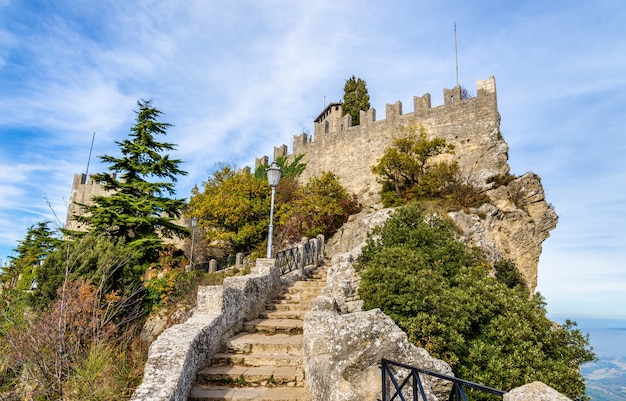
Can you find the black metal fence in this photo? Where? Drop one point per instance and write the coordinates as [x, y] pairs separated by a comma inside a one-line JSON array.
[[287, 260], [404, 382], [310, 253], [304, 254]]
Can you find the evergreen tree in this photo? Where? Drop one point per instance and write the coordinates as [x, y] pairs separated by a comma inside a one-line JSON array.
[[138, 210], [31, 251], [355, 98]]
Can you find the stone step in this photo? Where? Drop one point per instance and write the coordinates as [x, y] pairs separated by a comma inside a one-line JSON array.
[[202, 393], [273, 326], [273, 359], [265, 361], [294, 298], [317, 283], [288, 306], [258, 343], [251, 376], [282, 314], [304, 292]]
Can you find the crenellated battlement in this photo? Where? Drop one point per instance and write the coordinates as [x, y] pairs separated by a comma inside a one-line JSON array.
[[350, 151]]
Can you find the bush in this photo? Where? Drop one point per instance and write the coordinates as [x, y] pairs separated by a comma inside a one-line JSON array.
[[490, 329]]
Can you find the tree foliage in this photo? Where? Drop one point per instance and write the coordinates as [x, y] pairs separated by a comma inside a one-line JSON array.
[[233, 207], [85, 305], [406, 168], [48, 348], [319, 207], [40, 240], [488, 328], [355, 98], [138, 210], [409, 170], [97, 259]]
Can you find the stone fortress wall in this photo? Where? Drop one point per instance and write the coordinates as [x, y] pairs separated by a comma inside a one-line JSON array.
[[83, 190], [472, 125], [518, 219]]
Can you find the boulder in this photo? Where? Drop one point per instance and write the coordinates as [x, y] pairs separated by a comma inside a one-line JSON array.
[[535, 391], [343, 352]]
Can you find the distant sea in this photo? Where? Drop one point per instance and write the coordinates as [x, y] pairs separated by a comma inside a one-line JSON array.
[[605, 379]]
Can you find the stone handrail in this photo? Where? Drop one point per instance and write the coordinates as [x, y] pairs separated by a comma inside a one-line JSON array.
[[177, 354]]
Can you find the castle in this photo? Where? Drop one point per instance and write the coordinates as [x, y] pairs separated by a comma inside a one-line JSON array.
[[472, 125], [513, 226], [83, 190]]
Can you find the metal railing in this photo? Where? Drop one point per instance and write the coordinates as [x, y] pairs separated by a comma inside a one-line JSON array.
[[287, 260], [310, 252], [411, 387], [306, 253]]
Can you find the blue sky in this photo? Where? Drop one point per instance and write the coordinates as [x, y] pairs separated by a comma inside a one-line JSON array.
[[237, 78]]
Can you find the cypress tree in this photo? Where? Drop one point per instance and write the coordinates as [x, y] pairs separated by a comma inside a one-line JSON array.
[[355, 98]]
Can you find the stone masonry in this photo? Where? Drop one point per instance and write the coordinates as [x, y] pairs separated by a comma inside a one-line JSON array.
[[512, 226], [471, 125]]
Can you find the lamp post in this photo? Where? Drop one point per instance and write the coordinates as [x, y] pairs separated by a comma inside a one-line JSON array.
[[273, 178], [194, 223]]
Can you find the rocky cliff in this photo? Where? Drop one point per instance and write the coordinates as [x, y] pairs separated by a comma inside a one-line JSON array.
[[513, 225]]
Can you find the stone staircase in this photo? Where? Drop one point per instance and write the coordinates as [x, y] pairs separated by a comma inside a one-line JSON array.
[[264, 362]]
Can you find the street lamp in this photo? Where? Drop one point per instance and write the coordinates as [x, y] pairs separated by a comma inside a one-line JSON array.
[[194, 223], [273, 178]]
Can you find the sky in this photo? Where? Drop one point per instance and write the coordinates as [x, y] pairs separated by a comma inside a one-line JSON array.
[[237, 78]]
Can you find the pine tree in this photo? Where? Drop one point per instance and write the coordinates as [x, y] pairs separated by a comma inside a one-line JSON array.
[[355, 98], [30, 253], [136, 209]]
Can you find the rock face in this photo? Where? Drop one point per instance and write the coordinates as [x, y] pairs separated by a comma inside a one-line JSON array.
[[536, 391], [342, 351], [513, 226]]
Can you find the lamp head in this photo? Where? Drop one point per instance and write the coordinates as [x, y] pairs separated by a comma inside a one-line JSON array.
[[273, 174]]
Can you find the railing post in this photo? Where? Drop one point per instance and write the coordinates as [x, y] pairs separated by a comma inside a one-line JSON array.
[[212, 265], [238, 259], [313, 245], [300, 258], [383, 367], [320, 245]]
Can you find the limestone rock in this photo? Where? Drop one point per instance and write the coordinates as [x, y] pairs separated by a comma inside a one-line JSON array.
[[342, 355], [513, 226], [342, 351], [536, 391], [164, 319], [351, 236]]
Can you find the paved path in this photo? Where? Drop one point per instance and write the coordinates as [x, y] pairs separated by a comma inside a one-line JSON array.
[[265, 361]]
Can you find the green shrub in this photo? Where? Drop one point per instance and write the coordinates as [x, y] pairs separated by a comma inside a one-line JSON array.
[[490, 329]]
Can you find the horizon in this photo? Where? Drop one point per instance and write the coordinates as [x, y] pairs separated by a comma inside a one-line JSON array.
[[237, 79]]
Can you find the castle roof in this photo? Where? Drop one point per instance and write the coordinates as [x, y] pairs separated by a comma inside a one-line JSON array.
[[327, 110]]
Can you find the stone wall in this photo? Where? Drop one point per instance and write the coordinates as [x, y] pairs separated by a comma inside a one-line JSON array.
[[471, 125], [83, 189], [177, 354]]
